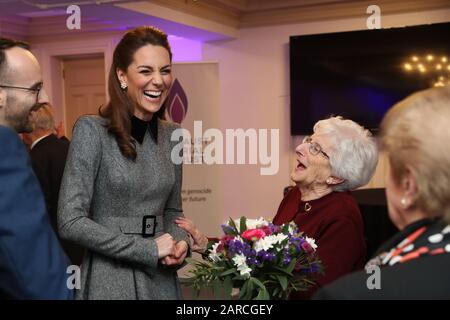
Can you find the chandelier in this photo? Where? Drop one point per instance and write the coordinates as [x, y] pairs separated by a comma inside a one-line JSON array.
[[435, 67]]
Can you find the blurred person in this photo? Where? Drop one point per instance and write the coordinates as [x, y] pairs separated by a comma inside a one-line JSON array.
[[32, 263], [414, 263], [48, 155]]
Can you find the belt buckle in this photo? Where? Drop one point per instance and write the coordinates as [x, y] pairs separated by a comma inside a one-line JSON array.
[[146, 227]]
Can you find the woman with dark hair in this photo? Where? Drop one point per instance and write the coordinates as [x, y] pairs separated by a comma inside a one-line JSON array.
[[121, 193]]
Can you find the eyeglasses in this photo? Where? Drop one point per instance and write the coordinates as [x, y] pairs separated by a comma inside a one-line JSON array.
[[314, 147], [37, 89]]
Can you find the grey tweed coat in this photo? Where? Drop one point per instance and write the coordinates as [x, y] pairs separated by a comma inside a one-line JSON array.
[[102, 201]]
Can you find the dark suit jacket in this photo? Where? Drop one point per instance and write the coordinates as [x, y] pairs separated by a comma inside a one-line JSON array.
[[32, 263], [425, 277], [48, 158]]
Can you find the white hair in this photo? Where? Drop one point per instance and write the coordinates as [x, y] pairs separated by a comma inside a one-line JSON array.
[[43, 118], [353, 154]]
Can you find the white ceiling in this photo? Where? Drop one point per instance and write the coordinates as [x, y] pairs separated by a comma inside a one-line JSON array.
[[205, 20]]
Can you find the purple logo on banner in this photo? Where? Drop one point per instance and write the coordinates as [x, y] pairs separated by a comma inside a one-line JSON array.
[[177, 103]]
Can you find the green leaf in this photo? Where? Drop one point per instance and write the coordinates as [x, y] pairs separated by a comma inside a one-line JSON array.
[[263, 294], [229, 271], [276, 292], [284, 270], [257, 282], [244, 291], [243, 224], [227, 287], [217, 289], [233, 225], [291, 265], [251, 287], [283, 281]]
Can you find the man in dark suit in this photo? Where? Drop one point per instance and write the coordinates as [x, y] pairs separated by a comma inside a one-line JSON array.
[[48, 157], [32, 263]]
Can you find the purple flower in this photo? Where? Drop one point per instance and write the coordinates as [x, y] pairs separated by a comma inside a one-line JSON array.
[[266, 256], [228, 230], [235, 247], [274, 228], [286, 257], [314, 267]]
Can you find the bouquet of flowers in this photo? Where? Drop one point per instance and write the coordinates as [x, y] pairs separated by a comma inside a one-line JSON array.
[[262, 260]]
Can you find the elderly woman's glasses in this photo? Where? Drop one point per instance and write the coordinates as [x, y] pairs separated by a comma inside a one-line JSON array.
[[314, 147]]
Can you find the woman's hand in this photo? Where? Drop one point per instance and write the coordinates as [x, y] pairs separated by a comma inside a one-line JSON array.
[[165, 245], [200, 240], [180, 252]]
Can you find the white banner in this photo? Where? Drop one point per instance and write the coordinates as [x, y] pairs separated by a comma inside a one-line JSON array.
[[195, 97]]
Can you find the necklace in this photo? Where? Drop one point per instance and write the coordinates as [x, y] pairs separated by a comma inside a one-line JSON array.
[[307, 206]]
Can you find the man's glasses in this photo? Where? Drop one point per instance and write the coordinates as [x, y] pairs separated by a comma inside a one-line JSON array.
[[36, 89], [314, 147]]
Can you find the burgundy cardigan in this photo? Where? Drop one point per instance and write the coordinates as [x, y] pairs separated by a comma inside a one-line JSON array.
[[335, 222]]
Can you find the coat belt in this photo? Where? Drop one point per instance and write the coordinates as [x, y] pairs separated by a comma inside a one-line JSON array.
[[146, 226]]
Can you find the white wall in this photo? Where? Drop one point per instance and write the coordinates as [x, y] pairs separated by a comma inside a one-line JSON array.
[[50, 53], [254, 93]]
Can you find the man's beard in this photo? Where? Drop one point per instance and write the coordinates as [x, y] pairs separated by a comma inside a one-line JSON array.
[[18, 118]]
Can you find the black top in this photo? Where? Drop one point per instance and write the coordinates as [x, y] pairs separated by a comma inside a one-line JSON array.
[[139, 127]]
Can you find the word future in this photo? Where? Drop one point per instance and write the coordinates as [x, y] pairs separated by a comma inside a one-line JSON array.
[[213, 152]]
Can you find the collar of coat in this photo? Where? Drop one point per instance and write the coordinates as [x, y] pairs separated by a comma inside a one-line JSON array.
[[426, 237], [139, 128]]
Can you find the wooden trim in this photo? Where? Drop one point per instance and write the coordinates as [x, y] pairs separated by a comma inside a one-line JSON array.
[[14, 27], [255, 13], [335, 11]]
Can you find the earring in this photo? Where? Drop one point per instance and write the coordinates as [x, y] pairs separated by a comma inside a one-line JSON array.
[[123, 85], [404, 202]]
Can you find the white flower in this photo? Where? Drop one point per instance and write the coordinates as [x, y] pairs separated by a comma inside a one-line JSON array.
[[256, 223], [280, 237], [244, 270], [213, 253], [312, 242], [292, 228], [241, 264], [251, 223], [267, 242], [239, 260]]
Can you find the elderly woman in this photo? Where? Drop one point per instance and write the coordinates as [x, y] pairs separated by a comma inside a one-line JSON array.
[[340, 156], [415, 263]]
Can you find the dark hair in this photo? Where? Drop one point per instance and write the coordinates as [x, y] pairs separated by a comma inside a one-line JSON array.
[[120, 107], [5, 44]]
